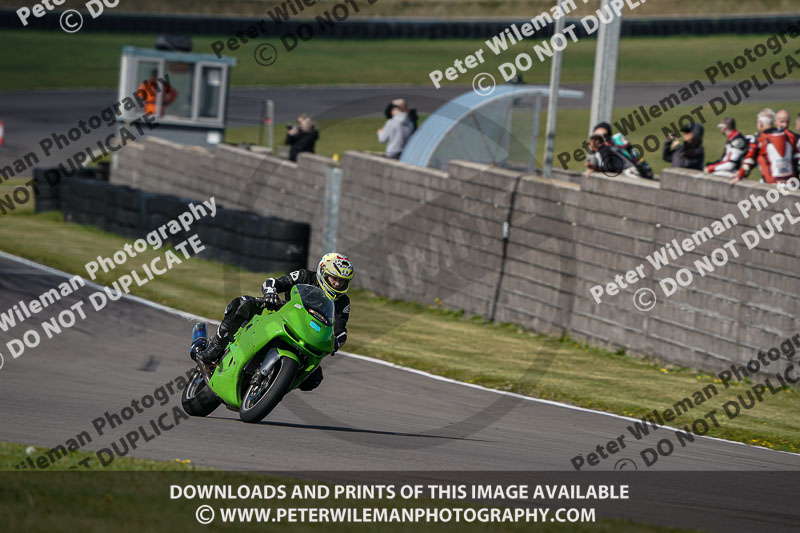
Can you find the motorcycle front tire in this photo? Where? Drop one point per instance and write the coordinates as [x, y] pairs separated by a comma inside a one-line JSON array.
[[280, 384]]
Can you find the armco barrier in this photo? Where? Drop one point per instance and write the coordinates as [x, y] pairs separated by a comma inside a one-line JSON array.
[[520, 248], [245, 239], [392, 28]]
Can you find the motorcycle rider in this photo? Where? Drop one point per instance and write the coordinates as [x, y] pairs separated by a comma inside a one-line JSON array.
[[735, 149], [333, 275], [777, 152]]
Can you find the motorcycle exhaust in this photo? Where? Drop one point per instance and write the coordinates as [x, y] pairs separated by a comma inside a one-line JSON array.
[[199, 339]]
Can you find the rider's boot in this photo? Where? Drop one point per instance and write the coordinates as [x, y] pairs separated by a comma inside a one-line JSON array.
[[213, 351], [239, 311]]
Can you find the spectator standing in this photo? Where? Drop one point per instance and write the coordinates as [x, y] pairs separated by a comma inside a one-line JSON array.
[[401, 103], [397, 130], [736, 147], [302, 137], [691, 153], [777, 152]]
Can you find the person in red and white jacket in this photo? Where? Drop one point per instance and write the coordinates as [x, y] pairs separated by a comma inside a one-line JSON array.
[[777, 152], [735, 149]]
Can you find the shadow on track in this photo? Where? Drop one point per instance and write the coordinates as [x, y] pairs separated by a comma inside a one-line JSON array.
[[357, 430]]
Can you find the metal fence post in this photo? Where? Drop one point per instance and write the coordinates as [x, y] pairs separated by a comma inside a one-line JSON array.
[[333, 197], [605, 71], [552, 105], [535, 133], [270, 120]]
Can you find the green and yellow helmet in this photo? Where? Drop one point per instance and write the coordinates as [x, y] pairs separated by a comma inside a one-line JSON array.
[[334, 274]]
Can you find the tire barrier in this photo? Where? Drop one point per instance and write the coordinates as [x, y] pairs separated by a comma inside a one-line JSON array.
[[47, 183], [244, 239], [391, 28]]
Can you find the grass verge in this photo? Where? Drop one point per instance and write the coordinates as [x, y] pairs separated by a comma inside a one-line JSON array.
[[22, 202], [93, 59], [443, 342], [15, 455]]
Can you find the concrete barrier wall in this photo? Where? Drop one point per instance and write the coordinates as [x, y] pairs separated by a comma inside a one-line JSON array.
[[420, 234], [726, 316]]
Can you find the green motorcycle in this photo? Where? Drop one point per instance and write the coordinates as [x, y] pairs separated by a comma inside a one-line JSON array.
[[268, 357]]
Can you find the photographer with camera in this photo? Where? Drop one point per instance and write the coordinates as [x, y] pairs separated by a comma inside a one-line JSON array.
[[691, 153], [614, 155], [397, 129], [302, 137]]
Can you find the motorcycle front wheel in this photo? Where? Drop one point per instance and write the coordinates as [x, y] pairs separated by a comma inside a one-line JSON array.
[[262, 397]]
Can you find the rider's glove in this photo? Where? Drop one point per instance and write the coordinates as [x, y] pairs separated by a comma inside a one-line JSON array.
[[271, 298], [339, 341]]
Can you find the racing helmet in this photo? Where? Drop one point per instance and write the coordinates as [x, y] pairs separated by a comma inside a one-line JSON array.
[[334, 274]]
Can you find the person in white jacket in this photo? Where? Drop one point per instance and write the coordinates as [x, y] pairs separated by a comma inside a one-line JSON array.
[[397, 130]]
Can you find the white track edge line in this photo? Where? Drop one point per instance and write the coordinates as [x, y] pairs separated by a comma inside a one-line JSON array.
[[191, 316]]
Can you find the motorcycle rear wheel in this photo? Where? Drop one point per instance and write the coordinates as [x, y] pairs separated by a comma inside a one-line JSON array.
[[197, 398], [262, 397]]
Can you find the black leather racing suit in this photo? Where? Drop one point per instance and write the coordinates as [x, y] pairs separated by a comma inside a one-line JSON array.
[[243, 308]]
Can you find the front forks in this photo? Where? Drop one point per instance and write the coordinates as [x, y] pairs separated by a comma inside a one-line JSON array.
[[205, 370]]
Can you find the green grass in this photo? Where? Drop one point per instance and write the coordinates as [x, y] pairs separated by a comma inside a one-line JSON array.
[[92, 60], [14, 455], [8, 187], [442, 342]]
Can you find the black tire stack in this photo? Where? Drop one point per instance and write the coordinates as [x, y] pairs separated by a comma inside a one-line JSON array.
[[46, 189], [49, 182], [254, 242], [245, 239]]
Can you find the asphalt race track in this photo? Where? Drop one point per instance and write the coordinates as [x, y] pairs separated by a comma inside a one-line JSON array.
[[366, 416]]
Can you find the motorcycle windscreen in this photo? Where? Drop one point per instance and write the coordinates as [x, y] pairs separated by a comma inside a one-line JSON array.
[[316, 303]]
